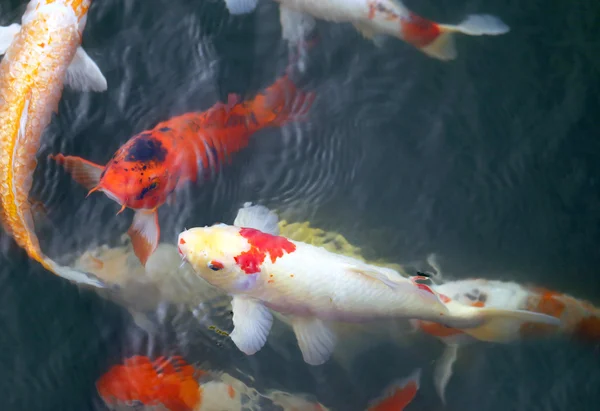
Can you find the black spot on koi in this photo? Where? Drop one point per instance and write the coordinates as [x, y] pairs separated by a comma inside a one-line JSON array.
[[146, 148]]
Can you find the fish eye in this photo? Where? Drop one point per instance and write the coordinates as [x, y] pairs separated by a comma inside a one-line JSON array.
[[215, 265]]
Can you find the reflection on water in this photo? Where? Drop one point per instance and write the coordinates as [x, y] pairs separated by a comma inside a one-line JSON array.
[[489, 161]]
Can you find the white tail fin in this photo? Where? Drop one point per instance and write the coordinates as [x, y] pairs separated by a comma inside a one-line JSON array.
[[258, 217], [498, 325], [444, 48], [83, 74]]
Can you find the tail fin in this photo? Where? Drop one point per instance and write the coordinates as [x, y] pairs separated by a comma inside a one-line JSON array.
[[443, 370], [499, 325], [281, 103], [444, 48]]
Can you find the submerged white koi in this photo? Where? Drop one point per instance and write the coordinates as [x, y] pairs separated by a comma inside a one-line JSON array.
[[313, 286]]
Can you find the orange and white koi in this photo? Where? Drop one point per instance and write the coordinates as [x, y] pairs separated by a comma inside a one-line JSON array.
[[577, 318], [263, 271], [377, 18], [39, 58], [172, 384]]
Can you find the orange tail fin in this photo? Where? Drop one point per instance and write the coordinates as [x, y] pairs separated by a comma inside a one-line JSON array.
[[281, 103]]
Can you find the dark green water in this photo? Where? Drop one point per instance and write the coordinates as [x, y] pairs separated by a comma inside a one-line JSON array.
[[489, 161]]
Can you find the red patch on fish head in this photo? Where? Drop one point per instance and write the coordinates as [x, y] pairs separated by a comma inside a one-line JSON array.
[[261, 245], [418, 31]]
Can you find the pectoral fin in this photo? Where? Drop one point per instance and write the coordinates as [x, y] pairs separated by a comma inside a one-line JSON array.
[[443, 370], [82, 171], [251, 324], [315, 339], [144, 233], [257, 217], [83, 74], [369, 33]]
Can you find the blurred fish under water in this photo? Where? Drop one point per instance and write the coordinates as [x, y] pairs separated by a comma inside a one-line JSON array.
[[489, 160]]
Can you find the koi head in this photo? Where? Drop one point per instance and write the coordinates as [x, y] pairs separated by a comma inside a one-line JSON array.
[[211, 252], [231, 257], [170, 382], [138, 176]]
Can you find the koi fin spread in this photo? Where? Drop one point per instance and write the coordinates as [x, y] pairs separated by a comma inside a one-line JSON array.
[[252, 323], [83, 73], [241, 6], [444, 48], [7, 35], [144, 233], [398, 394], [315, 339], [443, 370], [82, 171], [257, 217]]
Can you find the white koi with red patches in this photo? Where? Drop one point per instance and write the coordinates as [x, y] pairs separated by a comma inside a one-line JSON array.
[[374, 18], [313, 286]]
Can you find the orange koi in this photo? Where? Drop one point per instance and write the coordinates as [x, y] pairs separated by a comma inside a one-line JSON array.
[[40, 57], [148, 169], [167, 381]]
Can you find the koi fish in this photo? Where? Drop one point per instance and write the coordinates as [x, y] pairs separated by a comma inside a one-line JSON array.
[[39, 58], [398, 394], [576, 318], [375, 19], [167, 381], [171, 384], [313, 286], [148, 169]]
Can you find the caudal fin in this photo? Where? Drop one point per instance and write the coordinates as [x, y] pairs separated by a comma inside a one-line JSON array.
[[444, 47], [281, 103], [499, 325]]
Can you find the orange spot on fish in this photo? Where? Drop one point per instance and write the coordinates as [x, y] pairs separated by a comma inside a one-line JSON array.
[[588, 329], [181, 241], [444, 298], [418, 31], [261, 244], [270, 281], [230, 391], [292, 275], [547, 302], [478, 304]]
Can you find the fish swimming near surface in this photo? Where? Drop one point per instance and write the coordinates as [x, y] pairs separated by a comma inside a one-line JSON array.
[[375, 19], [39, 58], [312, 286], [149, 168], [576, 318], [170, 383]]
